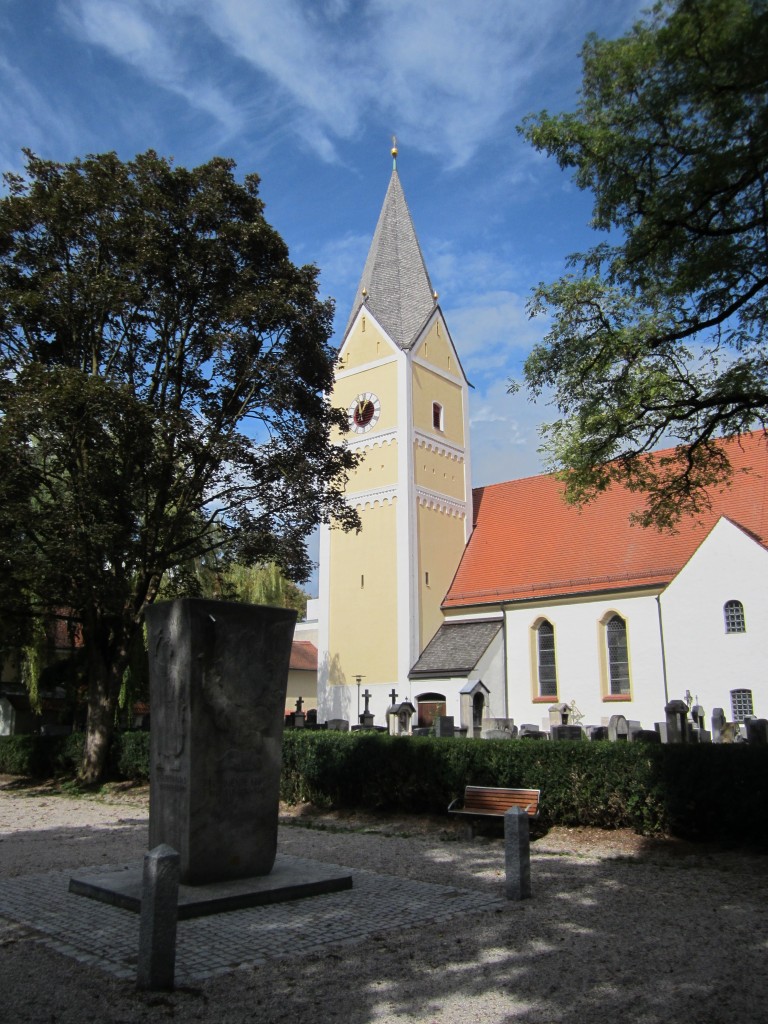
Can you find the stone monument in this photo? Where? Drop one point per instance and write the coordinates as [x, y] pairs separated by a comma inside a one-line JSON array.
[[218, 679]]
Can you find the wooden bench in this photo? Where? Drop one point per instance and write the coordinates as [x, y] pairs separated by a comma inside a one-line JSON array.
[[493, 802]]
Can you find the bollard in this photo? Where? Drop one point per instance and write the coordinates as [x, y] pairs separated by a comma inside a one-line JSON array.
[[159, 908], [517, 854]]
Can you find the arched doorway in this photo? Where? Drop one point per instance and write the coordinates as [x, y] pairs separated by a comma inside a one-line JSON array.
[[430, 706]]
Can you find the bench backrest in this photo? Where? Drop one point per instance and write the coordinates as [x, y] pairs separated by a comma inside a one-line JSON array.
[[492, 800]]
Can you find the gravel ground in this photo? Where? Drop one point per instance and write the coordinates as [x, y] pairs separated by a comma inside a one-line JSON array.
[[619, 928]]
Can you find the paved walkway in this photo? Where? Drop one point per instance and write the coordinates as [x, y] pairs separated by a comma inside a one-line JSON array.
[[108, 937]]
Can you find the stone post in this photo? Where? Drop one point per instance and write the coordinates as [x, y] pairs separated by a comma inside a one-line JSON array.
[[157, 928], [517, 854]]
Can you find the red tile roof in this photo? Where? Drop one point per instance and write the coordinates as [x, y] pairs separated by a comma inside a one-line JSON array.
[[303, 656], [528, 543]]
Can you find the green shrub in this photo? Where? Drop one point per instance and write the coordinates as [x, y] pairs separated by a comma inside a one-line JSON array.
[[130, 756], [24, 755], [704, 791]]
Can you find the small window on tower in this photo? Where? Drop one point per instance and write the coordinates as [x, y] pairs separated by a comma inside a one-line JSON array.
[[437, 416]]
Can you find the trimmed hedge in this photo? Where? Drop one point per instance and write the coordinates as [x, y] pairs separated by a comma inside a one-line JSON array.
[[707, 791], [42, 756]]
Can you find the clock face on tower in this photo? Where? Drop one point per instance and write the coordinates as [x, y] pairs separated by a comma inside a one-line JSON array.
[[364, 412]]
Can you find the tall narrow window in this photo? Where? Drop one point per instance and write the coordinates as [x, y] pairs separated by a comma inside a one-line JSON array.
[[437, 416], [618, 655], [545, 640], [733, 611]]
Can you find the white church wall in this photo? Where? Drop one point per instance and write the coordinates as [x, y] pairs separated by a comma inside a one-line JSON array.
[[701, 656], [490, 671], [579, 631]]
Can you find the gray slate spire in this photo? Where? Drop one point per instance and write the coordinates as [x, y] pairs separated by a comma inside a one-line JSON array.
[[399, 292]]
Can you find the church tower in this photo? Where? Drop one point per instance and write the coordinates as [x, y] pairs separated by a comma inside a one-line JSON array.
[[401, 382]]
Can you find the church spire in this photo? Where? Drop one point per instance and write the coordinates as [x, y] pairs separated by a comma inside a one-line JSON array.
[[395, 285]]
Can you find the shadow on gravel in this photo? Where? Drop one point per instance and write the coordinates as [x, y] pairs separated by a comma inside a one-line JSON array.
[[612, 940], [32, 852]]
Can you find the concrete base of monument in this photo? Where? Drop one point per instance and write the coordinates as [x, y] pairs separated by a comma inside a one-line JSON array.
[[292, 878]]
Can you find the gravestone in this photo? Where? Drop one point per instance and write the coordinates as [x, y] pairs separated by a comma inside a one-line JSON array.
[[559, 714], [646, 736], [757, 731], [444, 725], [498, 728], [218, 680], [566, 732], [718, 724], [677, 721], [618, 729], [366, 718], [7, 717], [337, 725], [404, 713], [531, 732], [298, 716], [391, 714], [597, 732]]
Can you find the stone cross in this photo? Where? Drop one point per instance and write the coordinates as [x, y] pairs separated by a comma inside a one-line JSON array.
[[299, 704], [366, 697], [393, 696]]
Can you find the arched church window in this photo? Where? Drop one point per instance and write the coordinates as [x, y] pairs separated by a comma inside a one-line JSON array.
[[547, 665], [733, 611], [618, 655], [437, 416]]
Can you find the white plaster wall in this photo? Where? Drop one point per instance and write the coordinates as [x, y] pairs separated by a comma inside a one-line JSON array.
[[701, 656], [577, 650], [490, 671]]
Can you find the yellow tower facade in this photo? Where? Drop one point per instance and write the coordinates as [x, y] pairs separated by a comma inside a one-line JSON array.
[[400, 379]]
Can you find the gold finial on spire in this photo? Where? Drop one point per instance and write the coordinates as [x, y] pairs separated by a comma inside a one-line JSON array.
[[394, 152]]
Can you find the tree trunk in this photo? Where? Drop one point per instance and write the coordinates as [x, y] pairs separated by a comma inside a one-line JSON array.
[[107, 660]]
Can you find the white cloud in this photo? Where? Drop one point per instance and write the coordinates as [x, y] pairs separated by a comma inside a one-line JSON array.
[[504, 435], [445, 74], [132, 33], [28, 113]]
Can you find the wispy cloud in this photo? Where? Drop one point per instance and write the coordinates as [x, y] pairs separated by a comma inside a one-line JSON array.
[[147, 36], [445, 74], [27, 112]]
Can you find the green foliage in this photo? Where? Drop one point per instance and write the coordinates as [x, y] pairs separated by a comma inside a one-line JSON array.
[[24, 755], [130, 755], [163, 373], [214, 577], [659, 333], [704, 792]]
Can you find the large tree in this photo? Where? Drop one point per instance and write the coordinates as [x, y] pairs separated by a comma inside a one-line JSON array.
[[163, 367], [658, 333]]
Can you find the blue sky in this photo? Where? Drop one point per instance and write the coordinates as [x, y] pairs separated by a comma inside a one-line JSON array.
[[307, 93]]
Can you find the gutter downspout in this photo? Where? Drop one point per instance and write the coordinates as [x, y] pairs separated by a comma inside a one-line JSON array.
[[504, 660], [663, 651]]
